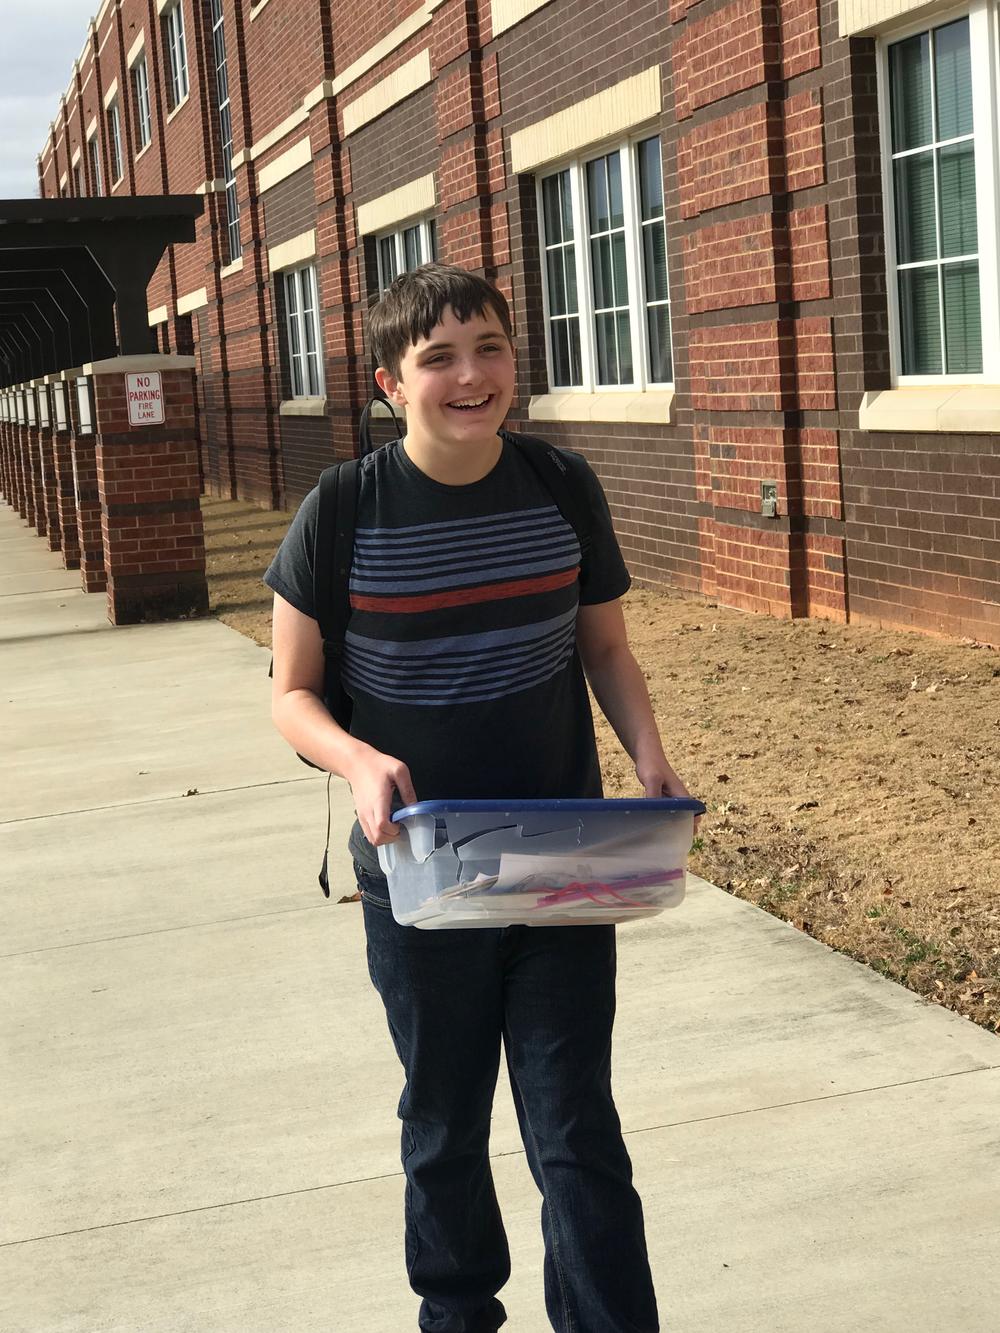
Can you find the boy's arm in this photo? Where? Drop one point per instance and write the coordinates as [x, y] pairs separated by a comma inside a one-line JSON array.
[[299, 714], [620, 689]]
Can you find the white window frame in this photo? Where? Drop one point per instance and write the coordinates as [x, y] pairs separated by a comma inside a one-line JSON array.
[[577, 166], [303, 331], [114, 122], [220, 61], [96, 170], [426, 228], [983, 45], [175, 40], [143, 109]]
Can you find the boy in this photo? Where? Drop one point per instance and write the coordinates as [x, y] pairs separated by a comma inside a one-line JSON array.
[[472, 610]]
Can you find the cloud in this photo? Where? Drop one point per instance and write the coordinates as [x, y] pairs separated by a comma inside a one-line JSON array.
[[41, 39]]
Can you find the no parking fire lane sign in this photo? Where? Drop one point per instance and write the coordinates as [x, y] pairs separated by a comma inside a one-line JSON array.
[[145, 399]]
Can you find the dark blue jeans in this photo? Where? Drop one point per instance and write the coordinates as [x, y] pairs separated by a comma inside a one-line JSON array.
[[548, 993]]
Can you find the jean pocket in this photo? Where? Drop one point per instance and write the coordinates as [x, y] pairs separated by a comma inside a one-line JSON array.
[[373, 888]]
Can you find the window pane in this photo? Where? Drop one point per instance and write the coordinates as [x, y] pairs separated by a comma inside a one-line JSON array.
[[552, 208], [661, 369], [387, 259], [910, 92], [607, 352], [600, 251], [624, 349], [957, 181], [615, 190], [654, 258], [916, 232], [920, 322], [620, 268], [308, 311], [953, 80], [650, 179], [566, 364], [432, 239], [557, 282], [566, 196], [962, 327], [411, 247], [597, 195], [569, 272]]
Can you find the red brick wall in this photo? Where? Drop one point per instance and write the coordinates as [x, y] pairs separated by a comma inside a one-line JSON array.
[[775, 247]]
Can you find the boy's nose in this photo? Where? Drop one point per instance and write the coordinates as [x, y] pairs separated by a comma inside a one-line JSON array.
[[469, 372]]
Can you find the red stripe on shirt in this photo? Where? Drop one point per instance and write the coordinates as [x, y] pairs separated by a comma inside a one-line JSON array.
[[491, 592]]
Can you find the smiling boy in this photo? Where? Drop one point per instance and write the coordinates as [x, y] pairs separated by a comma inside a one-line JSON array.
[[476, 622]]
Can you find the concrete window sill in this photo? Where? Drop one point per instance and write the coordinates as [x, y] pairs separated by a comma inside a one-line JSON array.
[[229, 269], [179, 107], [303, 407], [656, 407], [962, 409]]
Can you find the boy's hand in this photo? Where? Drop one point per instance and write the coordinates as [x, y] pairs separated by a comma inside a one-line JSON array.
[[373, 778], [659, 779]]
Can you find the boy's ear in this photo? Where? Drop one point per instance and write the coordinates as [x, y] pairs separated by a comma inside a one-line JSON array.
[[390, 385]]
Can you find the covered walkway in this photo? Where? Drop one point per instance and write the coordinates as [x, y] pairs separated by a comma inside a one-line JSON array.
[[200, 1092]]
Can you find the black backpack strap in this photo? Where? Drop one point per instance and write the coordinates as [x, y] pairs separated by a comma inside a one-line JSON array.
[[365, 444], [556, 476], [333, 550]]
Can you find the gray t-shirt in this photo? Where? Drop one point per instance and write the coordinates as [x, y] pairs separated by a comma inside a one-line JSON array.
[[460, 653]]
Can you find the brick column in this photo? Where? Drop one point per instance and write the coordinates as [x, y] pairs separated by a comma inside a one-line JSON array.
[[83, 458], [26, 507], [65, 484], [34, 463], [47, 466], [5, 478], [149, 488], [7, 453]]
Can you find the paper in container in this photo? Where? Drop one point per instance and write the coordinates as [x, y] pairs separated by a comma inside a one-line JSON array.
[[461, 864]]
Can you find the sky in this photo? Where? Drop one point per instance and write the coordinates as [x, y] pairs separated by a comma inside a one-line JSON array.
[[41, 39]]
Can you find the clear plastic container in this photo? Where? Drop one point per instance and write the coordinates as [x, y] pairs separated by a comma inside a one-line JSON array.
[[460, 864]]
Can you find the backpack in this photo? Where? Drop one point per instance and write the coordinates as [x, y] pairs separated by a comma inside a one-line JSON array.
[[333, 552]]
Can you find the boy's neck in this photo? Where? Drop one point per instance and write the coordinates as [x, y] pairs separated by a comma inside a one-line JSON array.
[[450, 465]]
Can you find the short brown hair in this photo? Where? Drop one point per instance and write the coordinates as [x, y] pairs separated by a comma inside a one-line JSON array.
[[414, 302]]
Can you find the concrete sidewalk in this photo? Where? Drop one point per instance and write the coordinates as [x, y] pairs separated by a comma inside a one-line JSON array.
[[199, 1091]]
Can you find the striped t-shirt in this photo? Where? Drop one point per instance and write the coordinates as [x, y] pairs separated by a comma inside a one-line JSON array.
[[460, 650]]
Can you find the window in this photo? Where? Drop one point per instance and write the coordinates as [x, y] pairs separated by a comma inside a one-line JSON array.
[[85, 415], [78, 180], [305, 361], [607, 305], [937, 87], [176, 44], [59, 395], [94, 148], [143, 118], [235, 248], [406, 249], [115, 142]]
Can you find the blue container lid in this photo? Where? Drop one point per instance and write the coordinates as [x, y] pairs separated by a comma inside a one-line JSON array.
[[569, 805]]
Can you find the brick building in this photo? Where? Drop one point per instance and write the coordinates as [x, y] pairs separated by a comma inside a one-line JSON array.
[[750, 247]]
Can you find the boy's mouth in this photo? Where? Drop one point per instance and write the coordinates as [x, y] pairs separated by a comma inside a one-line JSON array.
[[478, 404]]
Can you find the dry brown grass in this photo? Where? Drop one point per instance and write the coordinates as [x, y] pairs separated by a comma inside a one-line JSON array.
[[850, 773]]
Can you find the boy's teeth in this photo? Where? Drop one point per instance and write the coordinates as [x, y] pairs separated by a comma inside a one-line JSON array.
[[471, 402]]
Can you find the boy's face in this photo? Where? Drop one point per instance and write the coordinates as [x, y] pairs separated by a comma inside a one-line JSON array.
[[457, 384]]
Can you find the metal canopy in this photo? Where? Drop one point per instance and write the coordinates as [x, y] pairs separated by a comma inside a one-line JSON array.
[[69, 266]]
